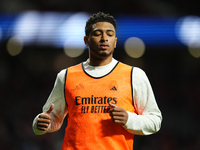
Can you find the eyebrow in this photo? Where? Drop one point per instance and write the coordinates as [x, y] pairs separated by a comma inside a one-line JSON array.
[[109, 30]]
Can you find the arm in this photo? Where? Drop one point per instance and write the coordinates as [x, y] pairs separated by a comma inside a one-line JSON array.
[[148, 120], [52, 121]]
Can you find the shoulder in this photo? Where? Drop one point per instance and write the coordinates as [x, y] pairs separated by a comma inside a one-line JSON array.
[[61, 76], [122, 66], [62, 73], [138, 72], [139, 77]]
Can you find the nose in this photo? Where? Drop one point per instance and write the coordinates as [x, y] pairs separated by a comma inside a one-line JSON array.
[[104, 37]]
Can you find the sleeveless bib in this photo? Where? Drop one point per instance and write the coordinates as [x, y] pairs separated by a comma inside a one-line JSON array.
[[89, 125]]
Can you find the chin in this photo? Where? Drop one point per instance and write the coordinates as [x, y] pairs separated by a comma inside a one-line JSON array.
[[105, 54]]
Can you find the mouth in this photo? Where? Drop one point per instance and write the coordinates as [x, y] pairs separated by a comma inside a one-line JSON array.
[[104, 46]]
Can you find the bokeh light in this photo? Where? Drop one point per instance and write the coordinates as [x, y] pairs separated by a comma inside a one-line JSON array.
[[71, 34], [27, 26], [14, 45], [195, 52], [134, 47], [49, 24], [188, 31], [72, 50]]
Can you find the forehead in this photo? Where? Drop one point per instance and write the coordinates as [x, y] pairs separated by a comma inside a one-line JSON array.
[[102, 26]]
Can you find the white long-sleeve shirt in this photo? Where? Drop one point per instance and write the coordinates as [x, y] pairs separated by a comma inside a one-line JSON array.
[[147, 120]]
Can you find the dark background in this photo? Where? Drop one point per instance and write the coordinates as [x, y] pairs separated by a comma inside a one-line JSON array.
[[27, 79]]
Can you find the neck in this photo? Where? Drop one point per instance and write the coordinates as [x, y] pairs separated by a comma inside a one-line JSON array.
[[100, 61]]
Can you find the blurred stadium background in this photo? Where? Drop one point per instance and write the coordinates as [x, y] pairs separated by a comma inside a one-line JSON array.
[[39, 38]]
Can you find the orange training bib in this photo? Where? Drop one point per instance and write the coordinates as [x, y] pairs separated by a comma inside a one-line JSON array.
[[89, 125]]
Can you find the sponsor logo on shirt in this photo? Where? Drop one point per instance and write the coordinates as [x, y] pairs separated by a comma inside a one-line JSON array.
[[95, 104]]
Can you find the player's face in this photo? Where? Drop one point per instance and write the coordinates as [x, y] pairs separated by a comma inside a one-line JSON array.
[[102, 40]]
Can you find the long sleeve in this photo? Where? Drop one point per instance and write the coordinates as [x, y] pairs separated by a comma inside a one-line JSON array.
[[60, 108], [148, 118], [146, 121]]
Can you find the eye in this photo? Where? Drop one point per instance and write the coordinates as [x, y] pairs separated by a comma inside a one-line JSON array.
[[97, 33], [110, 33]]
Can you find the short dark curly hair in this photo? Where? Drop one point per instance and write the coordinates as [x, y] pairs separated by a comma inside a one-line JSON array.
[[99, 17]]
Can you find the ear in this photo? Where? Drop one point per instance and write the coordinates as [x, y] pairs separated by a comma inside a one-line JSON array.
[[115, 42], [86, 40]]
